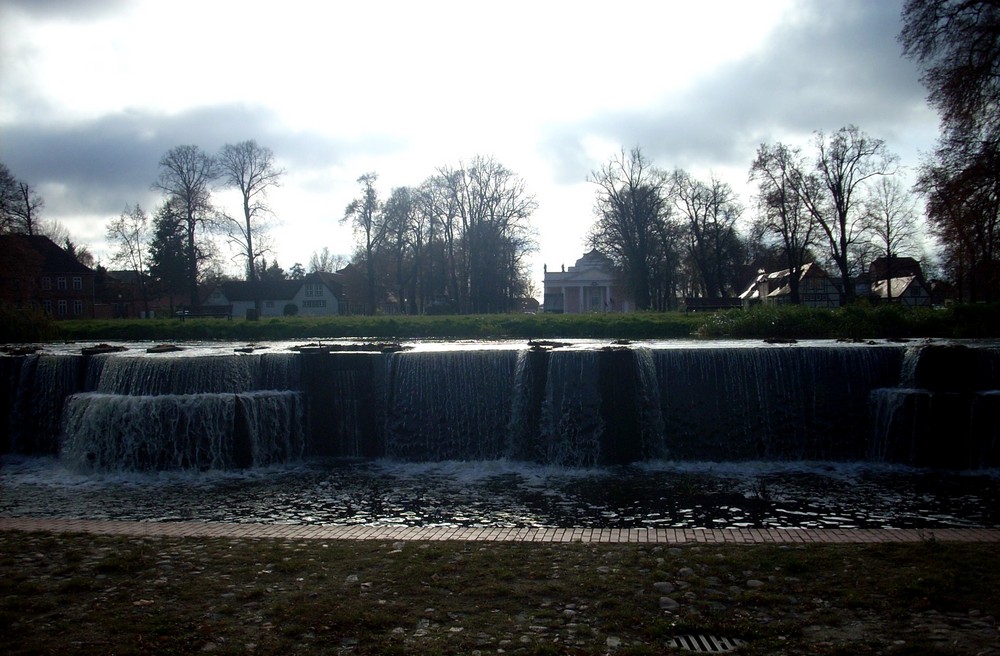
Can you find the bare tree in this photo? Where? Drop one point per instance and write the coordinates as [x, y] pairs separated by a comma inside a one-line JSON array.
[[8, 199], [26, 209], [250, 168], [845, 162], [444, 232], [494, 208], [365, 213], [957, 44], [710, 211], [777, 172], [630, 207], [324, 260], [401, 222], [20, 207], [130, 234], [893, 222], [186, 175]]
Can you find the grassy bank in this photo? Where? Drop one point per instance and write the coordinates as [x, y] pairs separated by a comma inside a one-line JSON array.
[[102, 594], [855, 322]]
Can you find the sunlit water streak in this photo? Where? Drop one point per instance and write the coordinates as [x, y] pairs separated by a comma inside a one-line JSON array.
[[507, 494]]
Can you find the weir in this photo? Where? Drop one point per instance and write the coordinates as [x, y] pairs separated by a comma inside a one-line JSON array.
[[577, 406]]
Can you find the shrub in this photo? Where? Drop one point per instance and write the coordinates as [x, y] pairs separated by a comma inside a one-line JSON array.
[[20, 325]]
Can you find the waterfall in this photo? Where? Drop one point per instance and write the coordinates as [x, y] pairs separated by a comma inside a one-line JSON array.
[[650, 407], [945, 414], [277, 371], [451, 405], [571, 423], [143, 375], [771, 403], [43, 384], [577, 406], [894, 434], [113, 432]]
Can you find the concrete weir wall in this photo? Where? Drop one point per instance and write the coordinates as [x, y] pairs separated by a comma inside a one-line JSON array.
[[922, 405]]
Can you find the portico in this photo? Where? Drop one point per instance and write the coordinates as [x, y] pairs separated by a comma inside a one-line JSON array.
[[591, 285]]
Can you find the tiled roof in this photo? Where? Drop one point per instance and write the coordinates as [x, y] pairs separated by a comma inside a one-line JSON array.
[[54, 258]]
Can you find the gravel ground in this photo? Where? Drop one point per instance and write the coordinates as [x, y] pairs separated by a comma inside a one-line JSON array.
[[95, 594]]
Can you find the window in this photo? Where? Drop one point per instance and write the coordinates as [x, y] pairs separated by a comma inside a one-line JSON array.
[[47, 306], [61, 307], [77, 283], [77, 308], [314, 304], [46, 283], [269, 304], [61, 282]]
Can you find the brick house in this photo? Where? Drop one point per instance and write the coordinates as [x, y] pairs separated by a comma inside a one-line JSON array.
[[36, 273]]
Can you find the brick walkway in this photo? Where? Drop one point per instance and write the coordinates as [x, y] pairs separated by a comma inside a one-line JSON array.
[[401, 533]]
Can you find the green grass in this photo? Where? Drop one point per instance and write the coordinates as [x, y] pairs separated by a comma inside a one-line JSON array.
[[860, 321], [493, 326], [103, 594]]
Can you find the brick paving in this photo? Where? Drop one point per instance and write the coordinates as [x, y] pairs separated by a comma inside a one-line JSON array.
[[499, 534]]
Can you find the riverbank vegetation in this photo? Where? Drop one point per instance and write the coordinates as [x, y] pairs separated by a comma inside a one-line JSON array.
[[860, 321]]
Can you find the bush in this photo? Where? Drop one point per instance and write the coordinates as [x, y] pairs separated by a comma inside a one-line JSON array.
[[19, 325], [291, 309]]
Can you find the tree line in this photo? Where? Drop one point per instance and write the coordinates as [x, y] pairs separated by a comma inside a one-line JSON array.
[[674, 235], [460, 240], [840, 200], [187, 177], [957, 45], [457, 242]]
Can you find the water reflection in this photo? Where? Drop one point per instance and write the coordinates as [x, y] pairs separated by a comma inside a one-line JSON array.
[[503, 494]]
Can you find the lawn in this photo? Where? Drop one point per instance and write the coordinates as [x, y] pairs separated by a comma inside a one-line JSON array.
[[855, 322]]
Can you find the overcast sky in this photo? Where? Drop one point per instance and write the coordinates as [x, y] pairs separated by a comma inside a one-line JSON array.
[[94, 92]]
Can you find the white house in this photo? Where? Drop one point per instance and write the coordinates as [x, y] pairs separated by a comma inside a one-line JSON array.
[[317, 294], [591, 285], [907, 290], [898, 279], [816, 289]]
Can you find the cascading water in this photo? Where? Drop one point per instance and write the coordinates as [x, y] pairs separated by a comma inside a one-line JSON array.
[[577, 406], [791, 403], [946, 390], [42, 385], [126, 412], [146, 376], [452, 405], [571, 424], [110, 432]]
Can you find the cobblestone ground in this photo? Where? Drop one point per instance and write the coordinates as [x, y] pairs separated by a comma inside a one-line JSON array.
[[658, 536], [239, 588]]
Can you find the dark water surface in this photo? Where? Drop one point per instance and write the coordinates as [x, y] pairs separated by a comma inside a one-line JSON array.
[[507, 494]]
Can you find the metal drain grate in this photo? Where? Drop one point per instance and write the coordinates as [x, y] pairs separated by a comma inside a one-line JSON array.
[[705, 643]]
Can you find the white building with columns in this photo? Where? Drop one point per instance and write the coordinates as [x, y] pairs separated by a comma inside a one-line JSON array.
[[590, 285]]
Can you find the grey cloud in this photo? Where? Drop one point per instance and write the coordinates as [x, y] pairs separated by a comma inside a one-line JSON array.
[[107, 163], [829, 65], [74, 9]]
